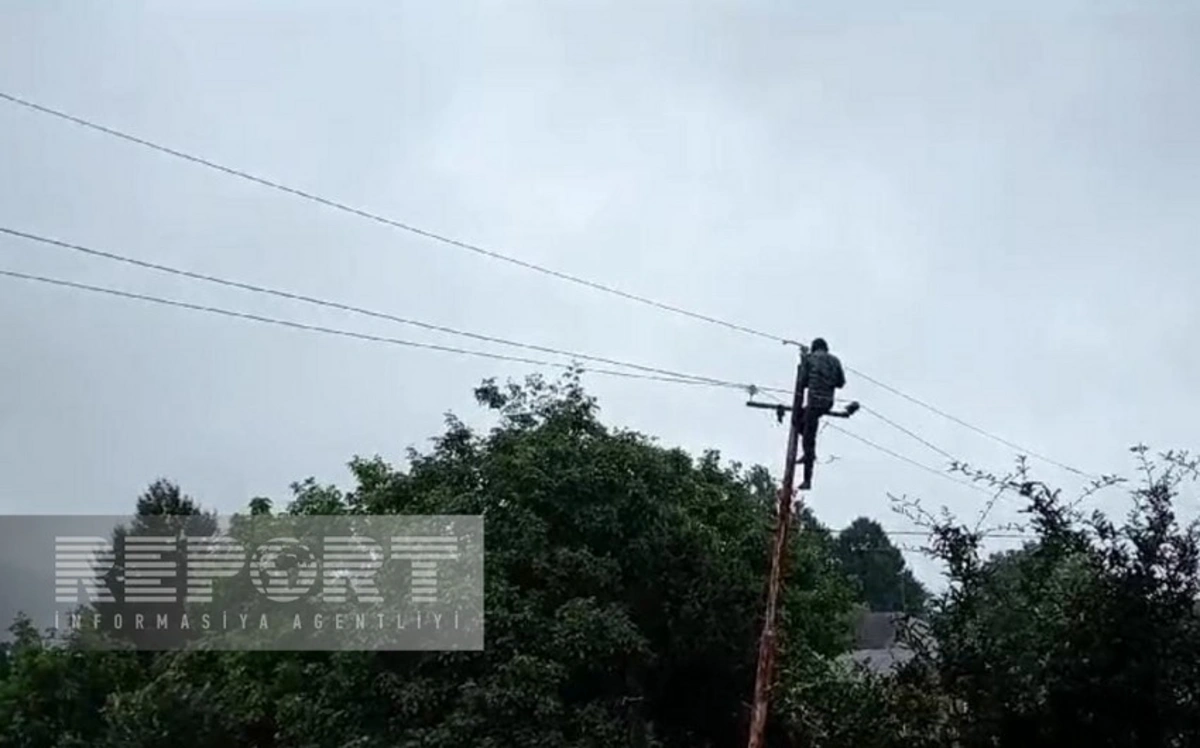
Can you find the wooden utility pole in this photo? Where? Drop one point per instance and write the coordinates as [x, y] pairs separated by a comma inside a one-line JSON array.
[[765, 672]]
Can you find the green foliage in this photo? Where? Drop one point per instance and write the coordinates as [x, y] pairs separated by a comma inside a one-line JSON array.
[[831, 705], [1088, 635], [885, 582], [623, 590], [56, 696], [163, 509], [624, 586]]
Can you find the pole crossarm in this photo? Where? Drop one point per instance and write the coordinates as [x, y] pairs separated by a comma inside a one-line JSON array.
[[780, 410]]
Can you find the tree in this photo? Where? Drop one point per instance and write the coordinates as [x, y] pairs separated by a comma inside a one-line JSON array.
[[53, 696], [623, 592], [163, 510], [1088, 635], [885, 582]]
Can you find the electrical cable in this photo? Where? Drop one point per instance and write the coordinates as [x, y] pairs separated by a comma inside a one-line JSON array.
[[909, 460], [333, 331], [898, 427], [360, 310], [328, 202], [427, 346]]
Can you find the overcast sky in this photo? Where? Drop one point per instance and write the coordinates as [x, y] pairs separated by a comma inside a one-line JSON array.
[[994, 212]]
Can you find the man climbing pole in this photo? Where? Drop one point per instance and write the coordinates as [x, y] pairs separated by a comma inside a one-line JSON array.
[[821, 374]]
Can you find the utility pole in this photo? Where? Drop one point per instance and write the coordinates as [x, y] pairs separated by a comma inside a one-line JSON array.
[[765, 672]]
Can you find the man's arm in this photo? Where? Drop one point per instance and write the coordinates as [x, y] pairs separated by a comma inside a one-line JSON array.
[[838, 374]]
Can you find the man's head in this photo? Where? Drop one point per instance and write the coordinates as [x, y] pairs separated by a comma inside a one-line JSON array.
[[819, 344]]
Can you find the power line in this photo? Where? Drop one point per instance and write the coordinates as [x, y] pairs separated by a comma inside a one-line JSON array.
[[666, 374], [1000, 535], [909, 460], [328, 202], [897, 426], [972, 427], [667, 377], [335, 331], [363, 311], [448, 349], [902, 549]]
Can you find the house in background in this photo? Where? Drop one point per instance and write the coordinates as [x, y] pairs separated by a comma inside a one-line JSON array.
[[879, 643]]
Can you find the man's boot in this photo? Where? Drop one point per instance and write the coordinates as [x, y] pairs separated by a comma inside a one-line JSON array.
[[808, 470]]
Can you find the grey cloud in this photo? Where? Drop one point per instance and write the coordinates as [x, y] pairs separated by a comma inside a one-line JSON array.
[[984, 209]]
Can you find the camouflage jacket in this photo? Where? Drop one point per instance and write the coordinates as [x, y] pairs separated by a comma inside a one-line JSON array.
[[821, 373]]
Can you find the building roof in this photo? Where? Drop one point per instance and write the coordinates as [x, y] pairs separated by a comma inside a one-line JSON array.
[[875, 630], [880, 661], [877, 641]]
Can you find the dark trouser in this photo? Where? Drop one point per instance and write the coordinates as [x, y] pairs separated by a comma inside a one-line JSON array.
[[810, 421]]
